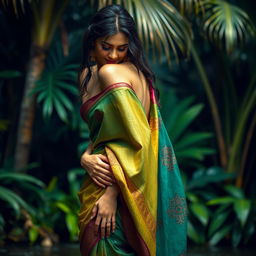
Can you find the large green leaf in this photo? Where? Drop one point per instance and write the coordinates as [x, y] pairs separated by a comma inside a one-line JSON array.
[[222, 200], [172, 108], [201, 212], [15, 200], [197, 153], [234, 191], [242, 209], [225, 22], [249, 232], [183, 121], [194, 234], [192, 197], [33, 234], [212, 175], [219, 235], [7, 195], [20, 177], [64, 207], [217, 221], [178, 115], [236, 234], [60, 109], [72, 225], [74, 180], [190, 139]]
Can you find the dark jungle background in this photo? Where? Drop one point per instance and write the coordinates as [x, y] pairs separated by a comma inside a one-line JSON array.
[[203, 55]]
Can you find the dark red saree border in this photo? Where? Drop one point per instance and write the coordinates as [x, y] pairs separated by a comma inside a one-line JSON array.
[[89, 239], [86, 106]]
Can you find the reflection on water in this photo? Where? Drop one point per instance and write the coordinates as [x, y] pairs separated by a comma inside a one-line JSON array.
[[60, 250], [73, 250], [217, 251]]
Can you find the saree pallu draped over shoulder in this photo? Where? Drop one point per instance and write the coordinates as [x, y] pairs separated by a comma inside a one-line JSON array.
[[151, 214]]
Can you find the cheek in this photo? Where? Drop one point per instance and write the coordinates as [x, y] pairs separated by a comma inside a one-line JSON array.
[[124, 54], [101, 53]]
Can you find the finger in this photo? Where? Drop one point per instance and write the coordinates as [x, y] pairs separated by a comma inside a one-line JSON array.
[[105, 166], [97, 225], [104, 177], [98, 183], [103, 158], [107, 174], [103, 227], [108, 227], [107, 171], [113, 220], [94, 211], [99, 179]]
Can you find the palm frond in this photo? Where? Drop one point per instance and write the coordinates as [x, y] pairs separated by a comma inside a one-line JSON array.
[[47, 15], [159, 25], [226, 23], [56, 84], [17, 5], [189, 6]]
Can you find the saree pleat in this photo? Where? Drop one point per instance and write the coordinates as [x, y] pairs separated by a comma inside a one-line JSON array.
[[152, 207]]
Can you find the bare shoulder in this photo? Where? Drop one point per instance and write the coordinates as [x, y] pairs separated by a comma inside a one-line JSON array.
[[114, 73]]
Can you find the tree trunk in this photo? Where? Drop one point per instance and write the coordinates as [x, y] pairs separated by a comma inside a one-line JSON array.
[[27, 111]]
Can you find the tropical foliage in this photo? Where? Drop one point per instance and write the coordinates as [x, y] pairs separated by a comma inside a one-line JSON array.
[[42, 214], [207, 101], [190, 147], [218, 212]]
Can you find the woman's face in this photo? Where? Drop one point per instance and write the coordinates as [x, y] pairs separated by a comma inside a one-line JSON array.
[[111, 49]]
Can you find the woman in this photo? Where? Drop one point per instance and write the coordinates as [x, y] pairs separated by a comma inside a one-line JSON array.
[[132, 198]]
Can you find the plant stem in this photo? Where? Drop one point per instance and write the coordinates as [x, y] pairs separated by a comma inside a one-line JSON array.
[[239, 181], [238, 136], [213, 107]]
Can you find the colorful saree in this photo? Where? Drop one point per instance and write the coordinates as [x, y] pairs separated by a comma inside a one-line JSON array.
[[151, 215]]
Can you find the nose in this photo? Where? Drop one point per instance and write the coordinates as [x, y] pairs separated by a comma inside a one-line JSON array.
[[113, 54]]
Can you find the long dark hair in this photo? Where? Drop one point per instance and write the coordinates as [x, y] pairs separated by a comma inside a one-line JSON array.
[[109, 21]]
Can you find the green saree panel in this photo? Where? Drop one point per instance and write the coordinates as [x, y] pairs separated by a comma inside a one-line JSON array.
[[151, 215]]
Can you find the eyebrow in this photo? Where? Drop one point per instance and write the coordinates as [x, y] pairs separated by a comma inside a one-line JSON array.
[[112, 45]]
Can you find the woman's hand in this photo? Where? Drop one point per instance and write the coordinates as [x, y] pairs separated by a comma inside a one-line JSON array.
[[105, 212], [98, 167]]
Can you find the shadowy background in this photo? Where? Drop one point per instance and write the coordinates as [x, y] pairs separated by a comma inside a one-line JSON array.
[[203, 55]]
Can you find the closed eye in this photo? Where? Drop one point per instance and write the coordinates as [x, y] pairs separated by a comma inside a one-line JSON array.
[[105, 48], [121, 49]]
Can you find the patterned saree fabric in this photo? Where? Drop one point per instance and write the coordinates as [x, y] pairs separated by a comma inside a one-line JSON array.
[[151, 214]]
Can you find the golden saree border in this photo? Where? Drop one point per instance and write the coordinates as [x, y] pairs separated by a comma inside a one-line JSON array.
[[138, 197], [138, 186]]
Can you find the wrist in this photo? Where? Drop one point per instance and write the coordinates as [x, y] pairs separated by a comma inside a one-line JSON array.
[[84, 159], [112, 191]]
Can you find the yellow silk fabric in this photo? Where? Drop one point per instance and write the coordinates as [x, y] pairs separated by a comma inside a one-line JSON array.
[[119, 124]]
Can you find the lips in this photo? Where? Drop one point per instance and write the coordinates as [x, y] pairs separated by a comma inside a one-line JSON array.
[[111, 62]]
